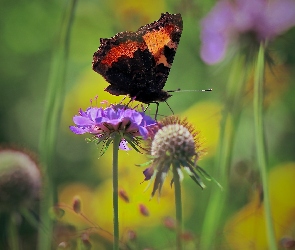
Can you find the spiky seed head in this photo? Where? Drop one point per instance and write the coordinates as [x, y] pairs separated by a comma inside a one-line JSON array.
[[173, 141]]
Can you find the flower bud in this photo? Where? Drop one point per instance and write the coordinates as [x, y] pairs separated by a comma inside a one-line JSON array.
[[123, 194], [77, 204], [143, 210]]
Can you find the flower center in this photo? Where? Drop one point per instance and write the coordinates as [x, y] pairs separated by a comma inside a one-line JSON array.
[[173, 141]]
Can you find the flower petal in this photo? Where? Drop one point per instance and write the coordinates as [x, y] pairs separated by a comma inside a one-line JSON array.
[[213, 48], [216, 30], [280, 16], [94, 113], [143, 132], [148, 173], [82, 121], [113, 114], [136, 117], [77, 130], [147, 120], [123, 145]]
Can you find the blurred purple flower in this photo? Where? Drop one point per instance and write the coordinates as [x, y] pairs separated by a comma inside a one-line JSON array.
[[228, 20], [102, 123]]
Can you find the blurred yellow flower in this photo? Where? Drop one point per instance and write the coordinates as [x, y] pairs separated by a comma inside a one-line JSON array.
[[127, 163], [134, 14], [281, 188], [246, 229], [205, 116]]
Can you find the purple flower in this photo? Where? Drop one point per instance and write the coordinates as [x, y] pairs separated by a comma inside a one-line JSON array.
[[228, 20], [102, 123]]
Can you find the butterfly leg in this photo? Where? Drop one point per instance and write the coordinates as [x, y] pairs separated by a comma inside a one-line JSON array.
[[131, 100], [157, 109], [123, 99], [145, 109], [169, 107]]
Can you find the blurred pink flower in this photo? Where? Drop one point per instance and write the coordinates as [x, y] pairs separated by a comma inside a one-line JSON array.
[[228, 20]]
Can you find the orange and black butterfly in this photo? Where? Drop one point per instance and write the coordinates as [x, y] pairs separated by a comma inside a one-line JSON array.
[[138, 63]]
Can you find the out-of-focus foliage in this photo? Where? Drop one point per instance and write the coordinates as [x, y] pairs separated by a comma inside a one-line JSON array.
[[246, 229]]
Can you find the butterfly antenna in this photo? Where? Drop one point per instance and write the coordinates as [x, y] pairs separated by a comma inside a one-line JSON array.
[[188, 90], [123, 99]]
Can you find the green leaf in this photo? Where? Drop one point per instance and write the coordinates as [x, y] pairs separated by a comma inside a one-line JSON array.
[[144, 164], [207, 176], [132, 144]]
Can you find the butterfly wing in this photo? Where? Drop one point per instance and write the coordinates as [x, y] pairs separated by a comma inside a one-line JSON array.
[[162, 38], [116, 60]]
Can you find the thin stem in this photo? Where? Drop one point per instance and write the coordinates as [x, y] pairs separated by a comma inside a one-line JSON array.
[[228, 125], [260, 144], [178, 207], [13, 238], [116, 143]]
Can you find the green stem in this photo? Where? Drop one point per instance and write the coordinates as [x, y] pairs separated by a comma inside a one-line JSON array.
[[178, 207], [260, 144], [116, 143], [13, 238], [223, 159], [51, 120], [218, 197]]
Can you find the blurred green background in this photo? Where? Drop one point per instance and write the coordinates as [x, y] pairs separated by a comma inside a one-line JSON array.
[[28, 37]]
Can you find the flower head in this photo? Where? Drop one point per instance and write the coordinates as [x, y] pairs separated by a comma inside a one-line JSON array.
[[231, 20], [20, 180], [176, 143], [104, 123]]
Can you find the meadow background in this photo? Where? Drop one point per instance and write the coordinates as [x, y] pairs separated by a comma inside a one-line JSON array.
[[29, 38]]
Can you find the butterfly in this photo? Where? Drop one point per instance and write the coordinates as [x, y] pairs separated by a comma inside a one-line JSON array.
[[138, 63]]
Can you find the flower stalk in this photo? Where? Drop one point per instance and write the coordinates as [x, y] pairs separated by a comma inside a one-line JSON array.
[[178, 205], [13, 237], [116, 143], [230, 117], [260, 143]]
